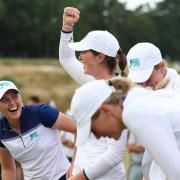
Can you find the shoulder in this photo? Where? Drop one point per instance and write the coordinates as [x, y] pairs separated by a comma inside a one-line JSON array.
[[45, 114], [172, 73]]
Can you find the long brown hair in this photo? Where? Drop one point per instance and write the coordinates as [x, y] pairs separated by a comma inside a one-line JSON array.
[[111, 62]]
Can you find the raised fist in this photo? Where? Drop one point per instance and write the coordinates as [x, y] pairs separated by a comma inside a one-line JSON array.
[[70, 16]]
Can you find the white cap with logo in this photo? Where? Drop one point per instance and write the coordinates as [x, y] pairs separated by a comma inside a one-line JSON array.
[[85, 102], [100, 41], [142, 58], [5, 86]]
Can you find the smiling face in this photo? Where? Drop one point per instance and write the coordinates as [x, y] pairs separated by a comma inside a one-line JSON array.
[[108, 122], [11, 105], [89, 61]]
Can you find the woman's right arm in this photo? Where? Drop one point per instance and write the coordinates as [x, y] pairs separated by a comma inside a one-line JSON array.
[[8, 168], [67, 56]]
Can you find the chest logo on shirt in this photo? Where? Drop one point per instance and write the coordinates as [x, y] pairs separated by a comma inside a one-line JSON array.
[[33, 135]]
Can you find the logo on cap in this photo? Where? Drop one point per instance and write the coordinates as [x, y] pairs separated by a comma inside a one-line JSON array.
[[4, 84], [134, 62]]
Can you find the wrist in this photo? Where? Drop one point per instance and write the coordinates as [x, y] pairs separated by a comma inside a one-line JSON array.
[[67, 27]]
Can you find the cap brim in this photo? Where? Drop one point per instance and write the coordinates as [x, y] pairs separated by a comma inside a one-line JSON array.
[[79, 46], [83, 133], [140, 76], [5, 90]]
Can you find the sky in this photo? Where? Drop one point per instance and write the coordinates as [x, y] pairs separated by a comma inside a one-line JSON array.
[[132, 4]]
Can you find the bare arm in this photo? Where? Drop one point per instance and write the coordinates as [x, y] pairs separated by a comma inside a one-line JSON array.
[[19, 171], [8, 168], [65, 123], [137, 148]]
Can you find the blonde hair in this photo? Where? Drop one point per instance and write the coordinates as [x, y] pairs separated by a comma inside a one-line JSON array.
[[122, 86]]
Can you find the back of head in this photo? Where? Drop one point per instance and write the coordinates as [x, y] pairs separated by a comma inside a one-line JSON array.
[[141, 60], [99, 41], [33, 100]]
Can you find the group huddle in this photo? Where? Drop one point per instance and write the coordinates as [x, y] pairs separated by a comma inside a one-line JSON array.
[[103, 111]]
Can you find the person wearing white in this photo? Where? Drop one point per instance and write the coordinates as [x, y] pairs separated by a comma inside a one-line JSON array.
[[101, 159], [147, 68], [152, 115]]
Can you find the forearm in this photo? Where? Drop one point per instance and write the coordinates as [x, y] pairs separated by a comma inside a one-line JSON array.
[[8, 175], [112, 157], [19, 173], [69, 62], [135, 148]]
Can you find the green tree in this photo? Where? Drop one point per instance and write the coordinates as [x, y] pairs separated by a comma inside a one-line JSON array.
[[166, 18]]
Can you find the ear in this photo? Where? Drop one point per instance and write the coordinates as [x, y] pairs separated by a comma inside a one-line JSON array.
[[101, 57], [106, 108]]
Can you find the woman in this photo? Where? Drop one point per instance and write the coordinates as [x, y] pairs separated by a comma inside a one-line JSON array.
[[99, 54], [153, 116], [30, 135], [147, 68]]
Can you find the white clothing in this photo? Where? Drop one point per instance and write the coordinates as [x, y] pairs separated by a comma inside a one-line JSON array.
[[153, 116], [101, 158], [69, 62], [148, 166], [69, 137]]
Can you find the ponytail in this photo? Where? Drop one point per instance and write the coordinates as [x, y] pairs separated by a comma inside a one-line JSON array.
[[122, 84], [122, 61]]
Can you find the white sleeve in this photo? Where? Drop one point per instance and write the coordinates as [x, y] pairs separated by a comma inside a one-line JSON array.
[[112, 157], [157, 136], [176, 83], [69, 62], [146, 164]]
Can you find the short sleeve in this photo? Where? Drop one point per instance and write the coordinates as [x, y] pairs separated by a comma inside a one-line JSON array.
[[47, 115]]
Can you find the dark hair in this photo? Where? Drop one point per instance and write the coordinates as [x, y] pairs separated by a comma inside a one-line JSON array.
[[111, 62], [35, 99]]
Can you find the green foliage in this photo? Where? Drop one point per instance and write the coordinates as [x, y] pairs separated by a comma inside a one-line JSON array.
[[10, 78], [32, 28]]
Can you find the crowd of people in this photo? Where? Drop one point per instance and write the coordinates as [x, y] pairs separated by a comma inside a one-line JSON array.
[[109, 114]]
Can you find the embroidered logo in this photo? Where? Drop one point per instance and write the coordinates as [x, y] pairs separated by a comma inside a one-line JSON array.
[[33, 135], [4, 84], [134, 62]]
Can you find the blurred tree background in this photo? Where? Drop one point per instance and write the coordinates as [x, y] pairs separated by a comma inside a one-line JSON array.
[[32, 28]]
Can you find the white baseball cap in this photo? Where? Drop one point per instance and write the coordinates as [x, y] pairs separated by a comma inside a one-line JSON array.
[[141, 59], [100, 41], [5, 86], [85, 102]]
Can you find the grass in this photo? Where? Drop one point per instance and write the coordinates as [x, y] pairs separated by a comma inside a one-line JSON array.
[[42, 77]]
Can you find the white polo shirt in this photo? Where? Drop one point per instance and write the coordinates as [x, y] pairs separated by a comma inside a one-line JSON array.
[[38, 147]]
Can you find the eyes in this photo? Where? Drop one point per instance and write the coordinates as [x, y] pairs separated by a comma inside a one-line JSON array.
[[7, 99]]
